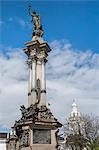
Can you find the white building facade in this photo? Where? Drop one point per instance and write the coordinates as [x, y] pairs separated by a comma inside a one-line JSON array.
[[3, 140]]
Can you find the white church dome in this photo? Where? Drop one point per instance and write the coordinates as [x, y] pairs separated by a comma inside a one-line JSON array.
[[75, 111]]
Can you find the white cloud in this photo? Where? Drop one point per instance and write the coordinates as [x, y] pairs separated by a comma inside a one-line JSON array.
[[23, 23], [13, 87], [2, 23], [19, 21], [71, 74]]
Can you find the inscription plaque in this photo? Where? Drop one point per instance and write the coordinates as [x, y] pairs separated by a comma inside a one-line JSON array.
[[41, 136]]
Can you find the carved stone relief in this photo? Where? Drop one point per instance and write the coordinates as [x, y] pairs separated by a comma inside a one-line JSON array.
[[46, 114], [29, 112], [41, 136]]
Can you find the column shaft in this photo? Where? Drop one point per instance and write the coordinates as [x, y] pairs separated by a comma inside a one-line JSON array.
[[33, 82], [43, 86], [39, 70], [29, 83]]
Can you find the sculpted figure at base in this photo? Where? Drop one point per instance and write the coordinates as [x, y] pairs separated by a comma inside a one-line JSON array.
[[28, 112]]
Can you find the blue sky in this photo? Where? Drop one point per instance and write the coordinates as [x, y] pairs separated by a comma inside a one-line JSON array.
[[76, 21], [72, 30]]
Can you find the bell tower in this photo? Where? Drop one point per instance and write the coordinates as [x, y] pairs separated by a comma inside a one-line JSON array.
[[38, 128]]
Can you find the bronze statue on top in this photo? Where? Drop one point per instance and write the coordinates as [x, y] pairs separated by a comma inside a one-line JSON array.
[[38, 31]]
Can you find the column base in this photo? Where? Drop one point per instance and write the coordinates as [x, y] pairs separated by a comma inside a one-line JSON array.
[[29, 99], [42, 99], [32, 97]]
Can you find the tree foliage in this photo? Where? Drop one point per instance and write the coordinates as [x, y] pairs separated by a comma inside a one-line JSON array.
[[91, 127], [82, 132], [77, 141]]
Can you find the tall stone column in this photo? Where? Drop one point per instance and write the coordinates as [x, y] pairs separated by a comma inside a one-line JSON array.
[[39, 70], [43, 84], [33, 82], [29, 81], [39, 78]]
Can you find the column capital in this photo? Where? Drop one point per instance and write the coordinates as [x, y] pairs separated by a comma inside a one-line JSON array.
[[43, 60], [29, 61], [34, 58]]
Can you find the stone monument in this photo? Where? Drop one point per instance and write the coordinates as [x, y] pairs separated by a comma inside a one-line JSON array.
[[38, 128]]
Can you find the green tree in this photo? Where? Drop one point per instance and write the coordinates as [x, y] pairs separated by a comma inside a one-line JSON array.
[[76, 141], [82, 132], [91, 127]]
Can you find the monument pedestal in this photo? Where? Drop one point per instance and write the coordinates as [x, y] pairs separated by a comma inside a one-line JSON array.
[[36, 130]]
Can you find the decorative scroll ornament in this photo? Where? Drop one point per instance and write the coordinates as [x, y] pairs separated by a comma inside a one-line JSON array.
[[38, 31], [29, 112], [46, 114]]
